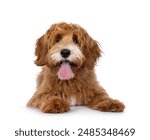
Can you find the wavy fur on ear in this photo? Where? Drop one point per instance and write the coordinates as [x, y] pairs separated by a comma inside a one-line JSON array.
[[41, 52], [42, 46], [92, 51]]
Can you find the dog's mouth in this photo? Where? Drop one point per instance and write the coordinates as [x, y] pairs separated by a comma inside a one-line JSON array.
[[65, 70], [70, 63]]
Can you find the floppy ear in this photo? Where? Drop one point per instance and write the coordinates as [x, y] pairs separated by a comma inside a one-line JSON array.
[[41, 51], [93, 52]]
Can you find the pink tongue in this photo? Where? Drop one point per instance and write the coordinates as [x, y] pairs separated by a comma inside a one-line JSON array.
[[65, 71]]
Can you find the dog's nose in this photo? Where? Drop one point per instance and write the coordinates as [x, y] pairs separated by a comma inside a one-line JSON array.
[[65, 53]]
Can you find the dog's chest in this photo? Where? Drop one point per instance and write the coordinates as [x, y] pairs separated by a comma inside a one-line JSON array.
[[73, 101]]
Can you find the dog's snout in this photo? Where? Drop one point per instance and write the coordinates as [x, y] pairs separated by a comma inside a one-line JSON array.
[[65, 53]]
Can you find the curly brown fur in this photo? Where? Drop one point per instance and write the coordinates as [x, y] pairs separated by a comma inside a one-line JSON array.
[[56, 94]]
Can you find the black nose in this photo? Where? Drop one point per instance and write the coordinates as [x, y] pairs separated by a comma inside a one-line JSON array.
[[65, 53]]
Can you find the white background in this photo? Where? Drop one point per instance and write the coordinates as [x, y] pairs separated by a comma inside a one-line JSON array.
[[123, 29]]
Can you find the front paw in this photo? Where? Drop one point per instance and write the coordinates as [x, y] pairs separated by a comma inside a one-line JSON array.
[[55, 105], [110, 106]]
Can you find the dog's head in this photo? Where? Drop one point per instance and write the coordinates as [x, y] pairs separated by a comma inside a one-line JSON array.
[[66, 47]]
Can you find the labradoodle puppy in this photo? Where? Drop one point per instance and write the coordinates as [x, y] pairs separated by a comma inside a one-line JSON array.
[[68, 55]]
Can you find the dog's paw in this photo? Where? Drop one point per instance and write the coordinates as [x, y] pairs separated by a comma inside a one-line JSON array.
[[110, 106], [55, 105]]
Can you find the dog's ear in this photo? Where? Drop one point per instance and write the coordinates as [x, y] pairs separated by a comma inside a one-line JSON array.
[[41, 52], [93, 52]]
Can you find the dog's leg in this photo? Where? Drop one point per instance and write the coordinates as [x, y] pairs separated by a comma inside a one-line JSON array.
[[48, 104], [101, 101]]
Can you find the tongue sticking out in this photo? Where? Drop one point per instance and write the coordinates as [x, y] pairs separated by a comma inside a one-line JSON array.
[[65, 71]]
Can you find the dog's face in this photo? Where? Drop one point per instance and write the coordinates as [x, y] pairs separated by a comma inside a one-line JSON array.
[[66, 47]]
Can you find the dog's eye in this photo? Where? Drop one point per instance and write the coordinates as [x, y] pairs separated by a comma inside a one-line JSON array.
[[58, 38], [75, 39]]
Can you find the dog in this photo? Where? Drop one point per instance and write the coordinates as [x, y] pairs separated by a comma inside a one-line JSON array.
[[68, 55]]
